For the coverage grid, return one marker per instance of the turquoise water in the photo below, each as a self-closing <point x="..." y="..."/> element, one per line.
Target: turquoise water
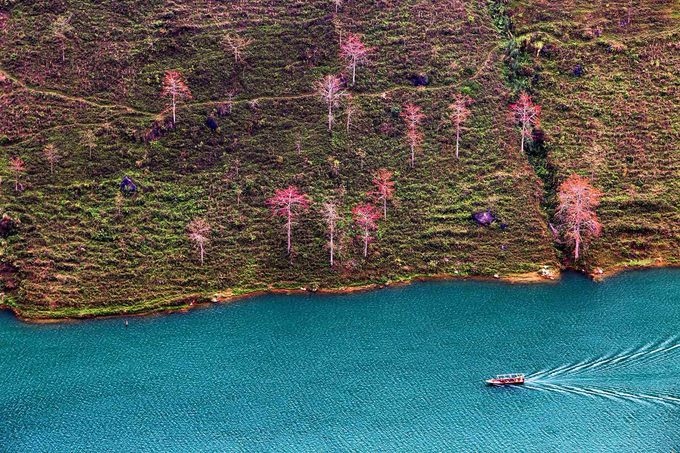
<point x="399" y="369"/>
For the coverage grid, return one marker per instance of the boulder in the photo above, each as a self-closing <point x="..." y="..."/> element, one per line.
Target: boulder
<point x="211" y="123"/>
<point x="7" y="226"/>
<point x="128" y="186"/>
<point x="577" y="71"/>
<point x="420" y="80"/>
<point x="484" y="218"/>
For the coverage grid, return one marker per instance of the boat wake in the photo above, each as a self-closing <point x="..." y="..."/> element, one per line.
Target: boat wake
<point x="581" y="378"/>
<point x="606" y="392"/>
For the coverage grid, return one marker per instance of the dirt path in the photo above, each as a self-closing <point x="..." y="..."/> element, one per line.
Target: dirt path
<point x="379" y="94"/>
<point x="68" y="97"/>
<point x="131" y="110"/>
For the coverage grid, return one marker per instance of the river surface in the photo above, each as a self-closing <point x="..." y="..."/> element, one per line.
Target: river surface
<point x="399" y="369"/>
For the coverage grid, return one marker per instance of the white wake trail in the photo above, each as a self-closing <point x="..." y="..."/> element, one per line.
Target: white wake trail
<point x="646" y="356"/>
<point x="608" y="393"/>
<point x="649" y="353"/>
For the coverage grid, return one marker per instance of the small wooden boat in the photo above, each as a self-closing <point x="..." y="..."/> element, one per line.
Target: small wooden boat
<point x="506" y="379"/>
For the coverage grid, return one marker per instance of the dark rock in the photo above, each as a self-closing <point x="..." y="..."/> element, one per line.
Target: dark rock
<point x="7" y="226"/>
<point x="420" y="80"/>
<point x="577" y="71"/>
<point x="504" y="226"/>
<point x="484" y="218"/>
<point x="127" y="186"/>
<point x="211" y="123"/>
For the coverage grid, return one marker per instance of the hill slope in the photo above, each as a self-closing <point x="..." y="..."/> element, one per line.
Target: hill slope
<point x="607" y="75"/>
<point x="81" y="249"/>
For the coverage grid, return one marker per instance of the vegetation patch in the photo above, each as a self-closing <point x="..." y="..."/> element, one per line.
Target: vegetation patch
<point x="119" y="207"/>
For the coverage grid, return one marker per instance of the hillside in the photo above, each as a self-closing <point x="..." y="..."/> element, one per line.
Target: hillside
<point x="607" y="76"/>
<point x="91" y="87"/>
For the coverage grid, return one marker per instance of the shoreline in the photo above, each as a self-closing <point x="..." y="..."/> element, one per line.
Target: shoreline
<point x="196" y="301"/>
<point x="652" y="263"/>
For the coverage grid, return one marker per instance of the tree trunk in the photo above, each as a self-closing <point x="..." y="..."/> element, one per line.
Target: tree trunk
<point x="332" y="248"/>
<point x="385" y="207"/>
<point x="354" y="71"/>
<point x="288" y="230"/>
<point x="523" y="132"/>
<point x="365" y="242"/>
<point x="16" y="183"/>
<point x="413" y="156"/>
<point x="577" y="243"/>
<point x="173" y="109"/>
<point x="200" y="245"/>
<point x="330" y="116"/>
<point x="457" y="139"/>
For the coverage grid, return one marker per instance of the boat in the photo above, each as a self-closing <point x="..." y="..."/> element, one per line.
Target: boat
<point x="507" y="379"/>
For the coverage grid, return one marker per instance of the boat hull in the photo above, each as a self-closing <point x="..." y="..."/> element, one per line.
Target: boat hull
<point x="506" y="380"/>
<point x="495" y="383"/>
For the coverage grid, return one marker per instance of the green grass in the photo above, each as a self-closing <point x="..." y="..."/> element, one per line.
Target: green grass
<point x="618" y="122"/>
<point x="81" y="252"/>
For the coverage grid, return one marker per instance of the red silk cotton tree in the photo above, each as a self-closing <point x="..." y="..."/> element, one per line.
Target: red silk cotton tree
<point x="288" y="203"/>
<point x="383" y="188"/>
<point x="415" y="140"/>
<point x="527" y="114"/>
<point x="175" y="88"/>
<point x="354" y="52"/>
<point x="198" y="232"/>
<point x="413" y="117"/>
<point x="17" y="166"/>
<point x="365" y="217"/>
<point x="459" y="113"/>
<point x="577" y="201"/>
<point x="330" y="91"/>
<point x="331" y="217"/>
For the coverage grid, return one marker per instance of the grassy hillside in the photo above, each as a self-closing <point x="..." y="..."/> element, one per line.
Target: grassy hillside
<point x="607" y="76"/>
<point x="80" y="248"/>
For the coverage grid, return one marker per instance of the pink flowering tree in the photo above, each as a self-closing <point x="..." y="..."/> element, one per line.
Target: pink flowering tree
<point x="354" y="52"/>
<point x="527" y="114"/>
<point x="331" y="218"/>
<point x="330" y="91"/>
<point x="415" y="140"/>
<point x="383" y="189"/>
<point x="17" y="166"/>
<point x="459" y="113"/>
<point x="288" y="203"/>
<point x="577" y="201"/>
<point x="175" y="88"/>
<point x="52" y="156"/>
<point x="237" y="45"/>
<point x="366" y="217"/>
<point x="413" y="117"/>
<point x="198" y="232"/>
